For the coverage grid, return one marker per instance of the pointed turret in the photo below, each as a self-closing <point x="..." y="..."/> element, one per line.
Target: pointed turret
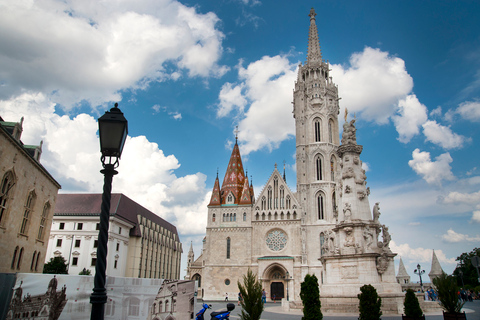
<point x="215" y="200"/>
<point x="251" y="189"/>
<point x="246" y="197"/>
<point x="436" y="270"/>
<point x="234" y="180"/>
<point x="191" y="255"/>
<point x="402" y="276"/>
<point x="314" y="55"/>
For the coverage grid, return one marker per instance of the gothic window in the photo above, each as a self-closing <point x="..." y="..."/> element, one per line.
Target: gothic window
<point x="230" y="198"/>
<point x="320" y="207"/>
<point x="275" y="191"/>
<point x="334" y="201"/>
<point x="213" y="217"/>
<point x="282" y="198"/>
<point x="36" y="262"/>
<point x="317" y="128"/>
<point x="33" y="260"/>
<point x="275" y="217"/>
<point x="234" y="217"/>
<point x="5" y="191"/>
<point x="322" y="242"/>
<point x="264" y="203"/>
<point x="288" y="215"/>
<point x="228" y="248"/>
<point x="288" y="202"/>
<point x="282" y="216"/>
<point x="269" y="216"/>
<point x="263" y="216"/>
<point x="27" y="211"/>
<point x="318" y="168"/>
<point x="330" y="131"/>
<point x="257" y="217"/>
<point x="19" y="261"/>
<point x="332" y="168"/>
<point x="276" y="240"/>
<point x="223" y="217"/>
<point x="14" y="259"/>
<point x="244" y="216"/>
<point x="269" y="195"/>
<point x="294" y="215"/>
<point x="43" y="221"/>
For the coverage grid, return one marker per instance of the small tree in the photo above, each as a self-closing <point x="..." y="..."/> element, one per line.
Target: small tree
<point x="56" y="265"/>
<point x="411" y="305"/>
<point x="85" y="272"/>
<point x="447" y="293"/>
<point x="310" y="295"/>
<point x="251" y="290"/>
<point x="370" y="303"/>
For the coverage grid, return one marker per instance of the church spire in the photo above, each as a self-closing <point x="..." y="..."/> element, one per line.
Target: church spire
<point x="234" y="179"/>
<point x="314" y="55"/>
<point x="436" y="269"/>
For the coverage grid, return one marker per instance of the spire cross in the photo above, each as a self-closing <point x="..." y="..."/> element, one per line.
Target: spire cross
<point x="236" y="134"/>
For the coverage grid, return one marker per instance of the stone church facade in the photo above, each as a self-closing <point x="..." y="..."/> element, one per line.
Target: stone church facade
<point x="326" y="228"/>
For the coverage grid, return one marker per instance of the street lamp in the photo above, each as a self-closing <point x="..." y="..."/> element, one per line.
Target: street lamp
<point x="419" y="271"/>
<point x="113" y="130"/>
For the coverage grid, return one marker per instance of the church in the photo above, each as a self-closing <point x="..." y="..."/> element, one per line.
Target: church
<point x="327" y="227"/>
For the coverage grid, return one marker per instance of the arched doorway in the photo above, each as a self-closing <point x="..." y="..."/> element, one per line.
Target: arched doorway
<point x="274" y="280"/>
<point x="277" y="290"/>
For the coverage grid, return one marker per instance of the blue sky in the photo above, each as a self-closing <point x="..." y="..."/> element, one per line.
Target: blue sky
<point x="186" y="73"/>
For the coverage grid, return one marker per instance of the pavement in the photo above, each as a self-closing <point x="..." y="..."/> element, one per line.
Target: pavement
<point x="273" y="311"/>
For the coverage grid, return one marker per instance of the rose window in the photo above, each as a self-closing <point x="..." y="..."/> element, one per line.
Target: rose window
<point x="276" y="240"/>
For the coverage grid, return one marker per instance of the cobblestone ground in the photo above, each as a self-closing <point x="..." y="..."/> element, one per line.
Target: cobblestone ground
<point x="273" y="311"/>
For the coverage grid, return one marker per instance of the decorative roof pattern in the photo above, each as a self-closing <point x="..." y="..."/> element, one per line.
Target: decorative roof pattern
<point x="215" y="200"/>
<point x="234" y="177"/>
<point x="246" y="197"/>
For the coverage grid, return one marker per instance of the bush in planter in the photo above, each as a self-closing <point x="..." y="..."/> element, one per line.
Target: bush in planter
<point x="370" y="303"/>
<point x="412" y="306"/>
<point x="447" y="293"/>
<point x="310" y="295"/>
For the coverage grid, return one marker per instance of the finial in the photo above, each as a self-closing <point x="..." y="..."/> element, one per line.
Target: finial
<point x="284" y="175"/>
<point x="236" y="134"/>
<point x="312" y="14"/>
<point x="217" y="172"/>
<point x="346" y="113"/>
<point x="275" y="165"/>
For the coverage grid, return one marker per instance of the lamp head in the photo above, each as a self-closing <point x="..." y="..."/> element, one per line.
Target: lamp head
<point x="113" y="131"/>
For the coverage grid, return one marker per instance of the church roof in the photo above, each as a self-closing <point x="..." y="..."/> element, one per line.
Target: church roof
<point x="314" y="54"/>
<point x="215" y="200"/>
<point x="436" y="269"/>
<point x="246" y="197"/>
<point x="234" y="179"/>
<point x="402" y="272"/>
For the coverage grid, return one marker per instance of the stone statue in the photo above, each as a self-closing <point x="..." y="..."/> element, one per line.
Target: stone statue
<point x="386" y="237"/>
<point x="382" y="263"/>
<point x="348" y="189"/>
<point x="376" y="212"/>
<point x="349" y="133"/>
<point x="347" y="211"/>
<point x="350" y="239"/>
<point x="368" y="236"/>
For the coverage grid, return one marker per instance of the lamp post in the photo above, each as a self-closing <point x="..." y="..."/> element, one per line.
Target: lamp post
<point x="419" y="271"/>
<point x="113" y="130"/>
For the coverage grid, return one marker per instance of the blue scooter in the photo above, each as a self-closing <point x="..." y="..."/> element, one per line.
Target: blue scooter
<point x="215" y="315"/>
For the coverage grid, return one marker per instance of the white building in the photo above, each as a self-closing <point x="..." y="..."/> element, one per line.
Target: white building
<point x="325" y="228"/>
<point x="140" y="243"/>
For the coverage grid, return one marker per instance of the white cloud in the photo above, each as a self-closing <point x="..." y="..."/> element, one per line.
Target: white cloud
<point x="419" y="255"/>
<point x="365" y="166"/>
<point x="476" y="216"/>
<point x="432" y="171"/>
<point x="453" y="237"/>
<point x="458" y="197"/>
<point x="89" y="50"/>
<point x="442" y="135"/>
<point x="469" y="110"/>
<point x="411" y="114"/>
<point x="265" y="87"/>
<point x="372" y="84"/>
<point x="437" y="112"/>
<point x="146" y="174"/>
<point x="414" y="224"/>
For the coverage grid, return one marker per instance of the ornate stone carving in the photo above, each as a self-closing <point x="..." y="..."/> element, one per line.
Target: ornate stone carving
<point x="382" y="263"/>
<point x="376" y="212"/>
<point x="348" y="189"/>
<point x="386" y="238"/>
<point x="329" y="245"/>
<point x="349" y="173"/>
<point x="349" y="135"/>
<point x="368" y="191"/>
<point x="368" y="237"/>
<point x="354" y="148"/>
<point x="349" y="239"/>
<point x="361" y="195"/>
<point x="347" y="211"/>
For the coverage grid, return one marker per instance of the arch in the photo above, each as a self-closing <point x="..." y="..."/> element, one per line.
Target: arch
<point x="270" y="270"/>
<point x="317" y="128"/>
<point x="263" y="216"/>
<point x="320" y="203"/>
<point x="228" y="248"/>
<point x="198" y="278"/>
<point x="288" y="202"/>
<point x="244" y="216"/>
<point x="264" y="203"/>
<point x="133" y="306"/>
<point x="257" y="217"/>
<point x="269" y="216"/>
<point x="275" y="216"/>
<point x="269" y="196"/>
<point x="6" y="189"/>
<point x="213" y="217"/>
<point x="294" y="215"/>
<point x="33" y="260"/>
<point x="27" y="212"/>
<point x="318" y="167"/>
<point x="14" y="259"/>
<point x="19" y="261"/>
<point x="43" y="221"/>
<point x="282" y="216"/>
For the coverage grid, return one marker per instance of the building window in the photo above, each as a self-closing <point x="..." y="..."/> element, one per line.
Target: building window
<point x="318" y="167"/>
<point x="59" y="242"/>
<point x="115" y="264"/>
<point x="332" y="168"/>
<point x="74" y="261"/>
<point x="134" y="307"/>
<point x="244" y="216"/>
<point x="43" y="221"/>
<point x="14" y="259"/>
<point x="7" y="184"/>
<point x="264" y="203"/>
<point x="61" y="226"/>
<point x="94" y="262"/>
<point x="80" y="226"/>
<point x="330" y="131"/>
<point x="77" y="243"/>
<point x="118" y="246"/>
<point x="36" y="262"/>
<point x="320" y="208"/>
<point x="97" y="227"/>
<point x="110" y="308"/>
<point x="119" y="230"/>
<point x="269" y="195"/>
<point x="26" y="213"/>
<point x="33" y="260"/>
<point x="322" y="242"/>
<point x="19" y="262"/>
<point x="317" y="130"/>
<point x="213" y="217"/>
<point x="276" y="240"/>
<point x="228" y="248"/>
<point x="95" y="243"/>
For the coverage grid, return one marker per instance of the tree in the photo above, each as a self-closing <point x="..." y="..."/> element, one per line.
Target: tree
<point x="411" y="305"/>
<point x="465" y="272"/>
<point x="56" y="265"/>
<point x="251" y="290"/>
<point x="85" y="272"/>
<point x="310" y="295"/>
<point x="370" y="303"/>
<point x="448" y="293"/>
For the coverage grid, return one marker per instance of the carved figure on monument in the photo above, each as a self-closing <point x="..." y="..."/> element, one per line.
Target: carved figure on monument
<point x="361" y="195"/>
<point x="368" y="236"/>
<point x="376" y="211"/>
<point x="329" y="245"/>
<point x="348" y="189"/>
<point x="347" y="211"/>
<point x="349" y="133"/>
<point x="386" y="238"/>
<point x="361" y="179"/>
<point x="349" y="173"/>
<point x="356" y="159"/>
<point x="368" y="191"/>
<point x="382" y="263"/>
<point x="350" y="239"/>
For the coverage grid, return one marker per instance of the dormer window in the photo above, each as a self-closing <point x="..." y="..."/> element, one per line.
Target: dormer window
<point x="230" y="198"/>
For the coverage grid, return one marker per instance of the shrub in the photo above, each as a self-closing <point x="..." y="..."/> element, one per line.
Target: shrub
<point x="56" y="265"/>
<point x="251" y="290"/>
<point x="411" y="305"/>
<point x="370" y="303"/>
<point x="310" y="295"/>
<point x="447" y="293"/>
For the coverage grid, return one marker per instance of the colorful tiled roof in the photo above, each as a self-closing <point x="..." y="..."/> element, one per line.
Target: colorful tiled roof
<point x="215" y="200"/>
<point x="234" y="177"/>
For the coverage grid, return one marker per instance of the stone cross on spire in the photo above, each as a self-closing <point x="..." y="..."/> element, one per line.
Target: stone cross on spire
<point x="314" y="55"/>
